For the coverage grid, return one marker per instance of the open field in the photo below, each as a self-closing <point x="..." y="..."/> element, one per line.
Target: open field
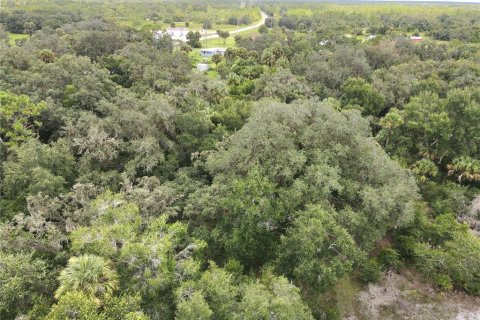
<point x="12" y="37"/>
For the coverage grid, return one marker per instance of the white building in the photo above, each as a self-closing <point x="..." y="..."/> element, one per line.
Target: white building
<point x="202" y="67"/>
<point x="174" y="33"/>
<point x="416" y="38"/>
<point x="208" y="52"/>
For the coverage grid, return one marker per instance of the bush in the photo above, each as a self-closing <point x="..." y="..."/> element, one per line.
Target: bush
<point x="370" y="271"/>
<point x="390" y="259"/>
<point x="444" y="250"/>
<point x="406" y="246"/>
<point x="443" y="281"/>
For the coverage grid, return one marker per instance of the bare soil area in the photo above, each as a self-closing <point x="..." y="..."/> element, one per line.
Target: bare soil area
<point x="405" y="297"/>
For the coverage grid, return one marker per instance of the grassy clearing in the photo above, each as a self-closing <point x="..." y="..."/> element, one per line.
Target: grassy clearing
<point x="246" y="33"/>
<point x="196" y="58"/>
<point x="219" y="43"/>
<point x="229" y="43"/>
<point x="375" y="9"/>
<point x="149" y="25"/>
<point x="12" y="37"/>
<point x="212" y="74"/>
<point x="346" y="294"/>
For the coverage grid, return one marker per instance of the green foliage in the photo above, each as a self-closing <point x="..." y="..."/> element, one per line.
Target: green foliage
<point x="92" y="275"/>
<point x="27" y="285"/>
<point x="466" y="168"/>
<point x="443" y="281"/>
<point x="278" y="298"/>
<point x="358" y="92"/>
<point x="316" y="250"/>
<point x="254" y="237"/>
<point x="425" y="118"/>
<point x="207" y="24"/>
<point x="370" y="271"/>
<point x="193" y="39"/>
<point x="216" y="296"/>
<point x="163" y="42"/>
<point x="18" y="118"/>
<point x="437" y="129"/>
<point x="326" y="71"/>
<point x="282" y="85"/>
<point x="463" y="254"/>
<point x="390" y="258"/>
<point x="75" y="305"/>
<point x="281" y="200"/>
<point x="157" y="192"/>
<point x="310" y="157"/>
<point x="223" y="34"/>
<point x="50" y="172"/>
<point x="117" y="223"/>
<point x="445" y="251"/>
<point x="193" y="307"/>
<point x="94" y="44"/>
<point x="231" y="113"/>
<point x="47" y="56"/>
<point x="425" y="169"/>
<point x="124" y="307"/>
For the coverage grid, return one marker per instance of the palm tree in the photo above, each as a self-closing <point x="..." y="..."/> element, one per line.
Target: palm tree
<point x="92" y="275"/>
<point x="424" y="169"/>
<point x="467" y="168"/>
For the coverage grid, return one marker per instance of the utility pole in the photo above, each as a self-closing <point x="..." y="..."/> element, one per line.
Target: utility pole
<point x="206" y="37"/>
<point x="206" y="31"/>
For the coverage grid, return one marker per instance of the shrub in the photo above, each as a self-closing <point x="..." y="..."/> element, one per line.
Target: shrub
<point x="390" y="258"/>
<point x="443" y="281"/>
<point x="370" y="271"/>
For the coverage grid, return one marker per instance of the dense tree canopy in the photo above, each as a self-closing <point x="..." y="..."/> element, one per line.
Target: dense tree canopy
<point x="315" y="156"/>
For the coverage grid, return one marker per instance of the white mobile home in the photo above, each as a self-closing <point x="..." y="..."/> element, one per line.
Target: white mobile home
<point x="208" y="52"/>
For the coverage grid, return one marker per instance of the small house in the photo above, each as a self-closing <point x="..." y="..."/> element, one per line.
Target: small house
<point x="208" y="52"/>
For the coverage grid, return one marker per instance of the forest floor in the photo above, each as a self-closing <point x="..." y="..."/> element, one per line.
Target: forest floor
<point x="406" y="296"/>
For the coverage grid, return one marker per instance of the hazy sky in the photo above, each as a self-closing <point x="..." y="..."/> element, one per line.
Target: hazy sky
<point x="397" y="1"/>
<point x="457" y="1"/>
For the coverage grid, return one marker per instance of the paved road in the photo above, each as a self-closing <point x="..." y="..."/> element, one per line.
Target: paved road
<point x="253" y="26"/>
